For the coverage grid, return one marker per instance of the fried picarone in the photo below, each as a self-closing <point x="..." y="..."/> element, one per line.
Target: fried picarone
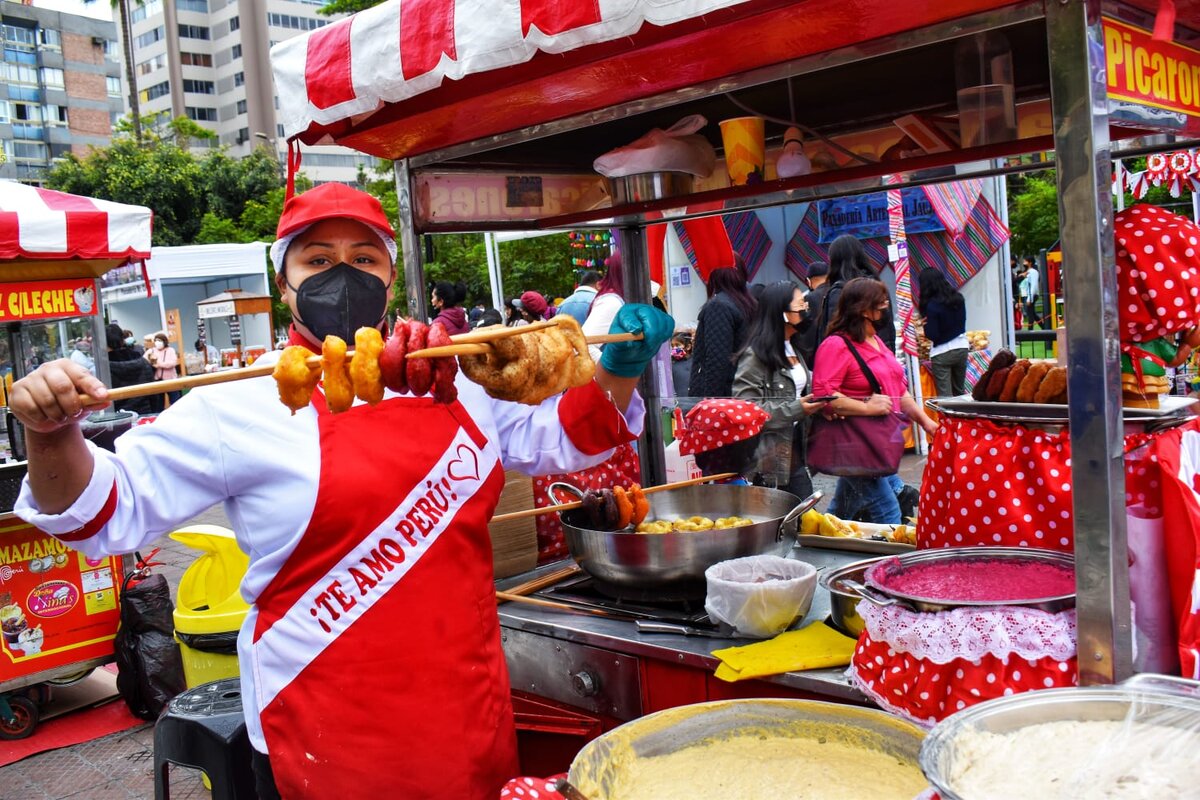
<point x="1016" y="374"/>
<point x="365" y="375"/>
<point x="339" y="392"/>
<point x="1027" y="391"/>
<point x="1001" y="360"/>
<point x="530" y="367"/>
<point x="996" y="383"/>
<point x="1053" y="388"/>
<point x="295" y="378"/>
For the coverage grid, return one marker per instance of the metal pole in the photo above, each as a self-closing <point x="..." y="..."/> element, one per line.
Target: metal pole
<point x="1008" y="334"/>
<point x="1079" y="106"/>
<point x="494" y="277"/>
<point x="1196" y="207"/>
<point x="636" y="265"/>
<point x="410" y="243"/>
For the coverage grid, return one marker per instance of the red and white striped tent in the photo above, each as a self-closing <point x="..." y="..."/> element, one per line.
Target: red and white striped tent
<point x="44" y="225"/>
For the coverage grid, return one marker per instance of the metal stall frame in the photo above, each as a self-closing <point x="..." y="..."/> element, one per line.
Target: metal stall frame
<point x="855" y="32"/>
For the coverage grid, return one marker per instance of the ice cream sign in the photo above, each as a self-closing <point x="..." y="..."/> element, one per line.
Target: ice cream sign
<point x="47" y="299"/>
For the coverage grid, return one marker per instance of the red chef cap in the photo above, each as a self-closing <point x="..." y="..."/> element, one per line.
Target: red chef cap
<point x="328" y="201"/>
<point x="717" y="422"/>
<point x="1158" y="272"/>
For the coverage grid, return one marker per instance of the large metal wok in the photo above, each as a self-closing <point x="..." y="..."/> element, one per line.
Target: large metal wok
<point x="670" y="566"/>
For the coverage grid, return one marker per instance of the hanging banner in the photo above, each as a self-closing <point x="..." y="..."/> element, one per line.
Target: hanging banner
<point x="1162" y="78"/>
<point x="866" y="216"/>
<point x="48" y="299"/>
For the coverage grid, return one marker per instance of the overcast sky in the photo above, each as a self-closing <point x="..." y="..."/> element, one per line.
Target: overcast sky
<point x="100" y="9"/>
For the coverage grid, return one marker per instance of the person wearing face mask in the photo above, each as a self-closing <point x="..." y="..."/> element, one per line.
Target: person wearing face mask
<point x="81" y="354"/>
<point x="165" y="361"/>
<point x="353" y="524"/>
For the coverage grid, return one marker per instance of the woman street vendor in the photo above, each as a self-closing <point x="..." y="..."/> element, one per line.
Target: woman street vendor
<point x="370" y="659"/>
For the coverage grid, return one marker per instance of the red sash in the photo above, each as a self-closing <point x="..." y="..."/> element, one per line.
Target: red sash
<point x="377" y="650"/>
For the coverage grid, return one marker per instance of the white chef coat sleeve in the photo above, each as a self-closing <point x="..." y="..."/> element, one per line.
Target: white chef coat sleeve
<point x="162" y="475"/>
<point x="575" y="430"/>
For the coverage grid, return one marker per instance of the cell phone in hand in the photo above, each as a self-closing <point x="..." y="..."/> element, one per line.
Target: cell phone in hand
<point x="825" y="398"/>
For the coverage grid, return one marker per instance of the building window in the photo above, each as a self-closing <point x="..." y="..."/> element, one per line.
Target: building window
<point x="26" y="112"/>
<point x="241" y="106"/>
<point x="50" y="39"/>
<point x="234" y="24"/>
<point x="199" y="87"/>
<point x="29" y="151"/>
<point x="295" y="23"/>
<point x="279" y="130"/>
<point x="149" y="37"/>
<point x="113" y="84"/>
<point x="25" y="38"/>
<point x="15" y="56"/>
<point x="20" y="73"/>
<point x="53" y="77"/>
<point x="153" y="64"/>
<point x="192" y="5"/>
<point x="3" y="112"/>
<point x="196" y="59"/>
<point x="243" y="135"/>
<point x="145" y="11"/>
<point x="56" y="115"/>
<point x="235" y="51"/>
<point x="239" y="79"/>
<point x="193" y="31"/>
<point x="30" y="93"/>
<point x="156" y="91"/>
<point x="201" y="113"/>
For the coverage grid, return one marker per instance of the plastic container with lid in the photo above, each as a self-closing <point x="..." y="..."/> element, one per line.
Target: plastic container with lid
<point x="103" y="427"/>
<point x="983" y="68"/>
<point x="209" y="609"/>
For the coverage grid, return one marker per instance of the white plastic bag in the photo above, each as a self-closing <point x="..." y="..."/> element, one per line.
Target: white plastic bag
<point x="677" y="149"/>
<point x="759" y="596"/>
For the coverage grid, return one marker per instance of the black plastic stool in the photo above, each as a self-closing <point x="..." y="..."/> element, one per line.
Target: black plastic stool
<point x="204" y="728"/>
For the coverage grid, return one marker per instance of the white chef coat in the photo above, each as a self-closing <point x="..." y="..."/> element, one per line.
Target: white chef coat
<point x="236" y="443"/>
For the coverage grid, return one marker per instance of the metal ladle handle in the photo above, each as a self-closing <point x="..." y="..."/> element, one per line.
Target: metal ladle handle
<point x="567" y="790"/>
<point x="870" y="595"/>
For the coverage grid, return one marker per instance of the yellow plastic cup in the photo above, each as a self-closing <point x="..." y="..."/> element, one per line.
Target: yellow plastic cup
<point x="745" y="149"/>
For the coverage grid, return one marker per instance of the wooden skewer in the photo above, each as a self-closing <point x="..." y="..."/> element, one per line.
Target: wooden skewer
<point x="481" y="349"/>
<point x="506" y="597"/>
<point x="533" y="512"/>
<point x="549" y="579"/>
<point x="475" y="344"/>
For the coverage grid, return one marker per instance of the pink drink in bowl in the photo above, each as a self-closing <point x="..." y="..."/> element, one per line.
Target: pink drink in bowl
<point x="976" y="576"/>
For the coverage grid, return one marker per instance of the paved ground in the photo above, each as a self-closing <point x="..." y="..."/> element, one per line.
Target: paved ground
<point x="120" y="766"/>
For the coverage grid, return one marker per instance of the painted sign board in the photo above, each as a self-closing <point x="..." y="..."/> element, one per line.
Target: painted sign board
<point x="866" y="216"/>
<point x="29" y="300"/>
<point x="1152" y="83"/>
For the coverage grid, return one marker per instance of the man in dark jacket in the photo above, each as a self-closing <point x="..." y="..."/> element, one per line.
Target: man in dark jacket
<point x="818" y="281"/>
<point x="128" y="368"/>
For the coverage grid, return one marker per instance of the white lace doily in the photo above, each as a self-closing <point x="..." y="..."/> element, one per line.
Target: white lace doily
<point x="971" y="633"/>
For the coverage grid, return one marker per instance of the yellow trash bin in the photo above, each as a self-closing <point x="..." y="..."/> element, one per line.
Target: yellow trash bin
<point x="209" y="610"/>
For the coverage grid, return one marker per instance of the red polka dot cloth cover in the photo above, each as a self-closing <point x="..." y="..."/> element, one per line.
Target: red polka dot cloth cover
<point x="987" y="483"/>
<point x="623" y="468"/>
<point x="531" y="789"/>
<point x="1158" y="272"/>
<point x="716" y="422"/>
<point x="927" y="666"/>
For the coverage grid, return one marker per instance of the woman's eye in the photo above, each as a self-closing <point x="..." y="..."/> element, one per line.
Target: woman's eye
<point x="319" y="261"/>
<point x="364" y="259"/>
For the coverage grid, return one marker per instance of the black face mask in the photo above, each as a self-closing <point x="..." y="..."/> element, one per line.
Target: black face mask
<point x="339" y="301"/>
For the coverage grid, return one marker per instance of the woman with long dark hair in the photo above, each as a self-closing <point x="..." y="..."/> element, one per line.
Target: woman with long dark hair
<point x="945" y="315"/>
<point x="861" y="305"/>
<point x="610" y="296"/>
<point x="848" y="260"/>
<point x="772" y="374"/>
<point x="447" y="299"/>
<point x="720" y="331"/>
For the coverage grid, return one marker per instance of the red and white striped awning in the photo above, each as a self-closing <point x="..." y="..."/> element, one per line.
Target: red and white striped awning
<point x="44" y="224"/>
<point x="399" y="49"/>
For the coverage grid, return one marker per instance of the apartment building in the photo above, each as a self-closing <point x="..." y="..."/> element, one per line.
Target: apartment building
<point x="61" y="90"/>
<point x="209" y="60"/>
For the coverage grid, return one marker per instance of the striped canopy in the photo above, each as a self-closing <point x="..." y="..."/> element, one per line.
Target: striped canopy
<point x="43" y="224"/>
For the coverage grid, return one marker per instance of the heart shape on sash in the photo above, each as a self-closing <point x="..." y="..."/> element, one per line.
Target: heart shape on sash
<point x="459" y="470"/>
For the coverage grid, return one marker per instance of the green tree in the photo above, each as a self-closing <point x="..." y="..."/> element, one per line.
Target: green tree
<point x="1033" y="214"/>
<point x="347" y="6"/>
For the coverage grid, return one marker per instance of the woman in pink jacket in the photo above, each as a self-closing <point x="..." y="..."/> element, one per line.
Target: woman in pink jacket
<point x="165" y="361"/>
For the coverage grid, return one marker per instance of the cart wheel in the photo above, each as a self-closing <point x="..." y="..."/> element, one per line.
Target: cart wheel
<point x="26" y="715"/>
<point x="67" y="680"/>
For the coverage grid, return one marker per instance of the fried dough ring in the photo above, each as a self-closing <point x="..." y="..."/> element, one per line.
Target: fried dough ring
<point x="583" y="369"/>
<point x="1027" y="391"/>
<point x="1002" y="359"/>
<point x="365" y="374"/>
<point x="1016" y="374"/>
<point x="1053" y="385"/>
<point x="339" y="392"/>
<point x="504" y="372"/>
<point x="996" y="383"/>
<point x="295" y="378"/>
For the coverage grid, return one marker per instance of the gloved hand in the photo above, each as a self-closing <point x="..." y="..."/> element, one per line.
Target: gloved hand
<point x="629" y="359"/>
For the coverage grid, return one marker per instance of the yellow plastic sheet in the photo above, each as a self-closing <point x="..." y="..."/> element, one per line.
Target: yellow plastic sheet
<point x="812" y="647"/>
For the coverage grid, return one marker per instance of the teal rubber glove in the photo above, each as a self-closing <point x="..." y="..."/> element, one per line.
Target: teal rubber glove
<point x="629" y="359"/>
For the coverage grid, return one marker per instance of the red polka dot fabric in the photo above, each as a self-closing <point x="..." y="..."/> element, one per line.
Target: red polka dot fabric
<point x="623" y="468"/>
<point x="1158" y="272"/>
<point x="927" y="692"/>
<point x="1006" y="485"/>
<point x="531" y="789"/>
<point x="717" y="422"/>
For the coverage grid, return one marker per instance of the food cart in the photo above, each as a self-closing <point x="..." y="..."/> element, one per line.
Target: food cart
<point x="231" y="305"/>
<point x="58" y="608"/>
<point x="494" y="122"/>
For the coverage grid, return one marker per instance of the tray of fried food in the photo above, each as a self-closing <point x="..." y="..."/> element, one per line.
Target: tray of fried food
<point x="830" y="532"/>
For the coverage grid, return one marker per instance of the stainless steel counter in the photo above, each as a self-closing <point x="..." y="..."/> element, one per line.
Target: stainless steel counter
<point x="620" y="636"/>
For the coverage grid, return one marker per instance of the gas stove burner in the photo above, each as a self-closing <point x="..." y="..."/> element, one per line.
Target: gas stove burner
<point x="586" y="592"/>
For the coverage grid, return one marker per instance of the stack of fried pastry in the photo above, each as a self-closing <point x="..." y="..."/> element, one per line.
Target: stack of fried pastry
<point x="1009" y="380"/>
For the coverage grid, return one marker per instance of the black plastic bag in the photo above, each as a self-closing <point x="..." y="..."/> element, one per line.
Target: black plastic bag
<point x="149" y="666"/>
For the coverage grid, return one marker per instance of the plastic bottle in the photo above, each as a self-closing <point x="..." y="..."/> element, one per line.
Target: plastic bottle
<point x="987" y="112"/>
